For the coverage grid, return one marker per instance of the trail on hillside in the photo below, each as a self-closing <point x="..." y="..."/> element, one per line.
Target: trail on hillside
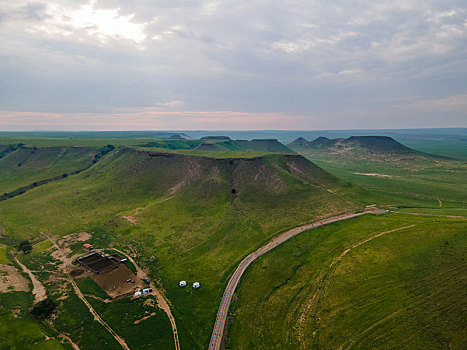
<point x="161" y="300"/>
<point x="218" y="330"/>
<point x="327" y="273"/>
<point x="38" y="289"/>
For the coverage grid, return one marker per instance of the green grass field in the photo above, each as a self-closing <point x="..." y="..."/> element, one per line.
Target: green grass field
<point x="18" y="330"/>
<point x="406" y="289"/>
<point x="197" y="213"/>
<point x="196" y="216"/>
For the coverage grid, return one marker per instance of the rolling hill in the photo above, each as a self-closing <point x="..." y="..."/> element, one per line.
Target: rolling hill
<point x="192" y="217"/>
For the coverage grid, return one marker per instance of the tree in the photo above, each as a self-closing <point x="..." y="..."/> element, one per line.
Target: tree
<point x="43" y="309"/>
<point x="25" y="246"/>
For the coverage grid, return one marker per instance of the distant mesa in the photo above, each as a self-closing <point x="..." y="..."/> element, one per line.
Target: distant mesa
<point x="215" y="138"/>
<point x="221" y="143"/>
<point x="383" y="145"/>
<point x="170" y="135"/>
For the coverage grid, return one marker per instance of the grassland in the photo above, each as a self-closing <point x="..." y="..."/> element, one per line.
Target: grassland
<point x="195" y="213"/>
<point x="413" y="181"/>
<point x="18" y="330"/>
<point x="406" y="289"/>
<point x="196" y="217"/>
<point x="28" y="165"/>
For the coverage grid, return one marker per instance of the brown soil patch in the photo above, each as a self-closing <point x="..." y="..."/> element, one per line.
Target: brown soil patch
<point x="114" y="281"/>
<point x="150" y="302"/>
<point x="177" y="187"/>
<point x="375" y="175"/>
<point x="76" y="272"/>
<point x="11" y="280"/>
<point x="73" y="238"/>
<point x="131" y="219"/>
<point x="38" y="289"/>
<point x="144" y="318"/>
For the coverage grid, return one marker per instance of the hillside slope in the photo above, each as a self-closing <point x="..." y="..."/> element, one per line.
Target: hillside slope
<point x="192" y="217"/>
<point x="26" y="165"/>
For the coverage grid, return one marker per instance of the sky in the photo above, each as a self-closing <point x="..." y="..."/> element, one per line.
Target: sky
<point x="232" y="64"/>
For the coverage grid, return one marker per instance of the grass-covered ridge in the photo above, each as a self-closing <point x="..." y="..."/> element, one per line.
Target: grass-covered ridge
<point x="196" y="216"/>
<point x="27" y="165"/>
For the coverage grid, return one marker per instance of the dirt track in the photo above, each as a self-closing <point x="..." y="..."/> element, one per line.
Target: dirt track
<point x="161" y="301"/>
<point x="96" y="315"/>
<point x="38" y="289"/>
<point x="218" y="331"/>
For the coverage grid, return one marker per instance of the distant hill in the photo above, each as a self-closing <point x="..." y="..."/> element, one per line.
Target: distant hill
<point x="221" y="143"/>
<point x="373" y="145"/>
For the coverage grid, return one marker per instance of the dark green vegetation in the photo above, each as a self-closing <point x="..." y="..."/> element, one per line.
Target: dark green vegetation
<point x="405" y="289"/>
<point x="19" y="329"/>
<point x="43" y="309"/>
<point x="25" y="247"/>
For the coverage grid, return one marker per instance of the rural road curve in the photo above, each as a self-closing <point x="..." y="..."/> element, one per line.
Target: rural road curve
<point x="218" y="331"/>
<point x="161" y="300"/>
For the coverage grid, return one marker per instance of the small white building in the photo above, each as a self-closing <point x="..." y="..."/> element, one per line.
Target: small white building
<point x="182" y="284"/>
<point x="137" y="294"/>
<point x="196" y="285"/>
<point x="147" y="290"/>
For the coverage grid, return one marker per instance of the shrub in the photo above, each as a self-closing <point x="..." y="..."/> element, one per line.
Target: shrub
<point x="43" y="309"/>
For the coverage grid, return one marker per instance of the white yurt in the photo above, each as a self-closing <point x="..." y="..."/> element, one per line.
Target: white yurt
<point x="182" y="283"/>
<point x="196" y="285"/>
<point x="137" y="294"/>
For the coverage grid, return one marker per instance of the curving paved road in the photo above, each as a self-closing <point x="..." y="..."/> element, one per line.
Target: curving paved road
<point x="218" y="330"/>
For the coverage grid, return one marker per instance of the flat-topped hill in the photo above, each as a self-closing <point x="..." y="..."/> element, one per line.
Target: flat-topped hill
<point x="221" y="143"/>
<point x="375" y="145"/>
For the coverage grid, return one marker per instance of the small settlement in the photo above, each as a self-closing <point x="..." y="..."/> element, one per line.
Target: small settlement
<point x="111" y="273"/>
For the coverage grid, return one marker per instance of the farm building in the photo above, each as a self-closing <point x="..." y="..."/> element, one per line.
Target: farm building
<point x="196" y="285"/>
<point x="88" y="246"/>
<point x="182" y="283"/>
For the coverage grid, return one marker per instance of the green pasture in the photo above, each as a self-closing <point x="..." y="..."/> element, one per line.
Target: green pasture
<point x="406" y="289"/>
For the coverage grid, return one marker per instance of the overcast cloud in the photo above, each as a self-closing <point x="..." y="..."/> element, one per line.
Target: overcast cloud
<point x="134" y="65"/>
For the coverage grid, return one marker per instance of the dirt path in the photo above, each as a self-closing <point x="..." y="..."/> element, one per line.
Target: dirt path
<point x="96" y="315"/>
<point x="161" y="300"/>
<point x="38" y="289"/>
<point x="62" y="255"/>
<point x="328" y="272"/>
<point x="218" y="331"/>
<point x="425" y="214"/>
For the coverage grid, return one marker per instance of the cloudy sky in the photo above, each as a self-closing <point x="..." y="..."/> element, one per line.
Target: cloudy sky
<point x="232" y="64"/>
